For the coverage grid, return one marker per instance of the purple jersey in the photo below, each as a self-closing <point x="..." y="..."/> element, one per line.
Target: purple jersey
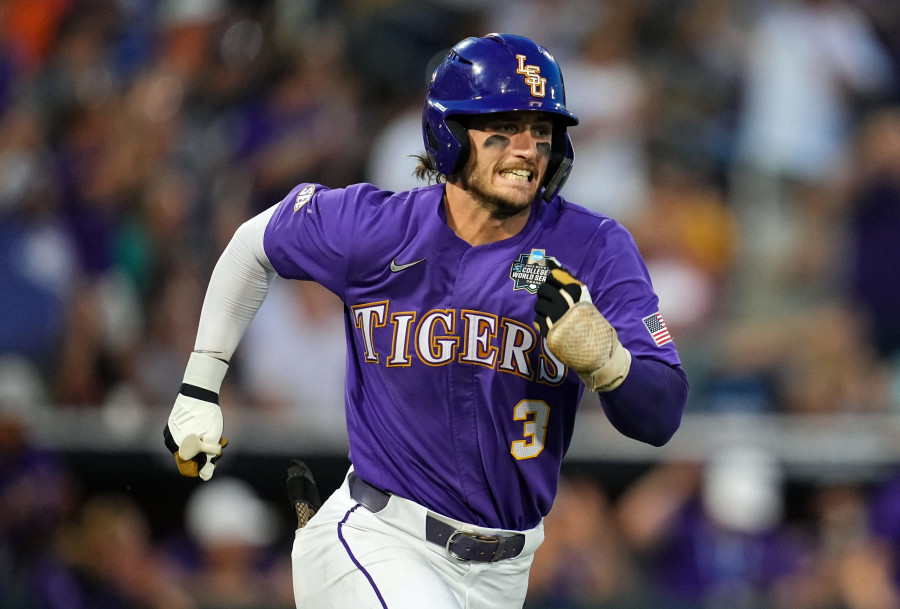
<point x="452" y="398"/>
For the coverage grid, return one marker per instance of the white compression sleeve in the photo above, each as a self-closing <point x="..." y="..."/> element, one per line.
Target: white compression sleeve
<point x="237" y="288"/>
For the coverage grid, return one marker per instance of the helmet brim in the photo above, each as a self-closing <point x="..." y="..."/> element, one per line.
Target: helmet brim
<point x="490" y="106"/>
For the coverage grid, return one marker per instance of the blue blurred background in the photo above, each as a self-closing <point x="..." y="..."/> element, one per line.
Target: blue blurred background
<point x="752" y="147"/>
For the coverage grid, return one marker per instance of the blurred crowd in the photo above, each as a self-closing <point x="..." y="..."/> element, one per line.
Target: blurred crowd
<point x="752" y="147"/>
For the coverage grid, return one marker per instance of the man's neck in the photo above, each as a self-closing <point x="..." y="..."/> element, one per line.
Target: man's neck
<point x="474" y="224"/>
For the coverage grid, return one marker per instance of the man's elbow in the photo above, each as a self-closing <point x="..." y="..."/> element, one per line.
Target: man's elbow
<point x="661" y="436"/>
<point x="658" y="433"/>
<point x="662" y="419"/>
<point x="670" y="423"/>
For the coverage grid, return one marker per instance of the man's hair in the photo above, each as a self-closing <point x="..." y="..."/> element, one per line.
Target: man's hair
<point x="426" y="169"/>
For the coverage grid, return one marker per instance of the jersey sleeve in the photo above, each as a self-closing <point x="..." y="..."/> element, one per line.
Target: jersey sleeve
<point x="311" y="234"/>
<point x="623" y="292"/>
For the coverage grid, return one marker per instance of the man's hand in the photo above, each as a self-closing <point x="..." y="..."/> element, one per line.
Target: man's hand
<point x="302" y="492"/>
<point x="194" y="429"/>
<point x="577" y="333"/>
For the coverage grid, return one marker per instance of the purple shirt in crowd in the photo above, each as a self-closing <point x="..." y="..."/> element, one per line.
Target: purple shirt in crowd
<point x="885" y="519"/>
<point x="452" y="398"/>
<point x="704" y="564"/>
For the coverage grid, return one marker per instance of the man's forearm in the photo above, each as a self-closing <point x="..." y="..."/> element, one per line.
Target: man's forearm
<point x="237" y="288"/>
<point x="649" y="404"/>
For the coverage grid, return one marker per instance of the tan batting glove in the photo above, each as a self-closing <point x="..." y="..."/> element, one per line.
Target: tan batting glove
<point x="577" y="333"/>
<point x="194" y="429"/>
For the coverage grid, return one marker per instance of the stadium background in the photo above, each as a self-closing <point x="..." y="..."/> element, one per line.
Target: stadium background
<point x="751" y="146"/>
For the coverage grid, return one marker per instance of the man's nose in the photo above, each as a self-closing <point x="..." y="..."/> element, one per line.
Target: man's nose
<point x="524" y="144"/>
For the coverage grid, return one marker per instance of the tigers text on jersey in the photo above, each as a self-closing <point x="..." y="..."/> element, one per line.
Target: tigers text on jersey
<point x="452" y="398"/>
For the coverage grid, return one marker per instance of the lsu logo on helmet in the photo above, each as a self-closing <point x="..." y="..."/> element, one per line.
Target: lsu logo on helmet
<point x="532" y="77"/>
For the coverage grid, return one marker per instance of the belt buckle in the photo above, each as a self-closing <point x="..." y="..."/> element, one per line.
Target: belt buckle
<point x="474" y="536"/>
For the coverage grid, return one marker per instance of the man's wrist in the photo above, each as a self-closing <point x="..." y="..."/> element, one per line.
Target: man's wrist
<point x="611" y="374"/>
<point x="205" y="371"/>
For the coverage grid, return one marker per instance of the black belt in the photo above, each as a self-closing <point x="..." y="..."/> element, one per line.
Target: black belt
<point x="461" y="545"/>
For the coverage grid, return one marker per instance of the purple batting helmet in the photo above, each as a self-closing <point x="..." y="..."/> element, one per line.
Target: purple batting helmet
<point x="496" y="73"/>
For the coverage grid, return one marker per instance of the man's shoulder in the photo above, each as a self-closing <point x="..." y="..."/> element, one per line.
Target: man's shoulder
<point x="367" y="194"/>
<point x="586" y="239"/>
<point x="573" y="217"/>
<point x="357" y="202"/>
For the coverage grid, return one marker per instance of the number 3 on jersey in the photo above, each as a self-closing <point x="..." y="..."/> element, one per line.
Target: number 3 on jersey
<point x="535" y="413"/>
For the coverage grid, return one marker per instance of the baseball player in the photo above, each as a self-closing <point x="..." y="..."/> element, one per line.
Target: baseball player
<point x="478" y="310"/>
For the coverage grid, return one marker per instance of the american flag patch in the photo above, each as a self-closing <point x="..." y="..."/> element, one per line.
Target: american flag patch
<point x="657" y="329"/>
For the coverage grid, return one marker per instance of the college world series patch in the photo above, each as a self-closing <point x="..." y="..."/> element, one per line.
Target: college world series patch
<point x="528" y="271"/>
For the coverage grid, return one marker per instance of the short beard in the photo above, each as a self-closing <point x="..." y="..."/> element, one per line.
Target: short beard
<point x="499" y="207"/>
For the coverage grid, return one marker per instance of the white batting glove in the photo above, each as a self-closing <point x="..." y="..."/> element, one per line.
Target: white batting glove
<point x="194" y="429"/>
<point x="577" y="333"/>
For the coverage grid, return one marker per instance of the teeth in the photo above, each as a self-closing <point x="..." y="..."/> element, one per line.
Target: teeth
<point x="517" y="174"/>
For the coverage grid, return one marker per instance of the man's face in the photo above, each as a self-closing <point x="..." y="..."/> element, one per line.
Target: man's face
<point x="508" y="160"/>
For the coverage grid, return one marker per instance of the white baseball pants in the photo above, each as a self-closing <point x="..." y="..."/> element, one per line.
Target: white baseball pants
<point x="348" y="557"/>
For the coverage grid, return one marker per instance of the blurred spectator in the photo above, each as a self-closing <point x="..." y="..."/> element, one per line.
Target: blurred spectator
<point x="105" y="558"/>
<point x="694" y="69"/>
<point x="688" y="237"/>
<point x="157" y="231"/>
<point x="391" y="42"/>
<point x="608" y="91"/>
<point x="881" y="560"/>
<point x="809" y="63"/>
<point x="813" y="361"/>
<point x="102" y="327"/>
<point x="560" y="25"/>
<point x="186" y="43"/>
<point x="298" y="378"/>
<point x="885" y="19"/>
<point x="29" y="28"/>
<point x="584" y="562"/>
<point x="714" y="536"/>
<point x="296" y="131"/>
<point x="171" y="319"/>
<point x="234" y="530"/>
<point x="38" y="265"/>
<point x="855" y="565"/>
<point x="402" y="134"/>
<point x="874" y="221"/>
<point x="35" y="488"/>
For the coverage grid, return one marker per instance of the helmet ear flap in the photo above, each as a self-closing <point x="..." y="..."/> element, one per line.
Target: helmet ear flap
<point x="461" y="134"/>
<point x="446" y="142"/>
<point x="562" y="157"/>
<point x="431" y="138"/>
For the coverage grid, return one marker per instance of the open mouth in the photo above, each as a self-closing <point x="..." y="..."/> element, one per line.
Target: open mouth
<point x="519" y="175"/>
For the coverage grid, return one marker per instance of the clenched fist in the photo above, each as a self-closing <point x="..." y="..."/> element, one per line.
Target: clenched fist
<point x="194" y="430"/>
<point x="577" y="333"/>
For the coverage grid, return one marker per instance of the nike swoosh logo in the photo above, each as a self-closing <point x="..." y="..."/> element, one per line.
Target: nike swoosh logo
<point x="399" y="267"/>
